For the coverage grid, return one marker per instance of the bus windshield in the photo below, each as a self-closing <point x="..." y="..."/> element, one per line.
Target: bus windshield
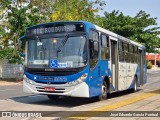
<point x="62" y="52"/>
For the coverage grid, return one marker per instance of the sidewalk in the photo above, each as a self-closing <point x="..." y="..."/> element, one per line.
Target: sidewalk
<point x="138" y="105"/>
<point x="9" y="82"/>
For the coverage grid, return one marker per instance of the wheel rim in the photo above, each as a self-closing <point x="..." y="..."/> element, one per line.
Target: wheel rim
<point x="104" y="91"/>
<point x="135" y="84"/>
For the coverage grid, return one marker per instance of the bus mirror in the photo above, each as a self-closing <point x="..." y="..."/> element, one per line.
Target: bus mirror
<point x="22" y="54"/>
<point x="20" y="47"/>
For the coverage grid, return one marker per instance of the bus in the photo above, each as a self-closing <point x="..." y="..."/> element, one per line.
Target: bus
<point x="80" y="59"/>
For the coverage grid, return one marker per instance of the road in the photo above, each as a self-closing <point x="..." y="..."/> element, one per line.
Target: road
<point x="12" y="98"/>
<point x="11" y="91"/>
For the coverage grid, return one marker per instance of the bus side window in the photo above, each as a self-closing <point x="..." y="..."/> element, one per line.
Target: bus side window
<point x="131" y="55"/>
<point x="121" y="51"/>
<point x="94" y="47"/>
<point x="105" y="47"/>
<point x="136" y="54"/>
<point x="126" y="50"/>
<point x="144" y="56"/>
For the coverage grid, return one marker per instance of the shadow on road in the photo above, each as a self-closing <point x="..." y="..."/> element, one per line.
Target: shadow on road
<point x="64" y="101"/>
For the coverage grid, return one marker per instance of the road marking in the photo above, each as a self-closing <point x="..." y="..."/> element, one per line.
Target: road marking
<point x="7" y="89"/>
<point x="103" y="109"/>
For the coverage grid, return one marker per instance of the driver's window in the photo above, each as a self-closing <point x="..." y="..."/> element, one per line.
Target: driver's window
<point x="94" y="47"/>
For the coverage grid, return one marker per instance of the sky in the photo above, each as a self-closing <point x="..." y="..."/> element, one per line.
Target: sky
<point x="132" y="7"/>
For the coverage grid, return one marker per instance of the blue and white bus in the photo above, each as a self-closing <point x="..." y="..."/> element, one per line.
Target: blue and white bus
<point x="80" y="59"/>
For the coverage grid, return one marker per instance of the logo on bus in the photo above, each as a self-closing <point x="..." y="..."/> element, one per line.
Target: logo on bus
<point x="53" y="63"/>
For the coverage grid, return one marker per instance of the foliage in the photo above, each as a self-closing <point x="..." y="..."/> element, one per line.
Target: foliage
<point x="76" y="10"/>
<point x="149" y="65"/>
<point x="17" y="16"/>
<point x="44" y="9"/>
<point x="7" y="53"/>
<point x="140" y="28"/>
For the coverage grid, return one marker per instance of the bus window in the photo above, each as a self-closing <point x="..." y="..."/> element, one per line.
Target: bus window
<point x="105" y="47"/>
<point x="144" y="56"/>
<point x="136" y="54"/>
<point x="121" y="51"/>
<point x="134" y="57"/>
<point x="131" y="55"/>
<point x="126" y="50"/>
<point x="94" y="47"/>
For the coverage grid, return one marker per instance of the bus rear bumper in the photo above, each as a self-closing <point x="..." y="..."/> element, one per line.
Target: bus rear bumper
<point x="80" y="90"/>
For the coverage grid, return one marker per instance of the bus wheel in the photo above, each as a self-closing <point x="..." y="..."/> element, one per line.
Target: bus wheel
<point x="135" y="84"/>
<point x="53" y="97"/>
<point x="103" y="96"/>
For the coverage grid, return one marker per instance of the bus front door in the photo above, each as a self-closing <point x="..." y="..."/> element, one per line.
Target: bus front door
<point x="114" y="64"/>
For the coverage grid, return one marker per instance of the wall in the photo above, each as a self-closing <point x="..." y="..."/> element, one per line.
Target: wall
<point x="8" y="70"/>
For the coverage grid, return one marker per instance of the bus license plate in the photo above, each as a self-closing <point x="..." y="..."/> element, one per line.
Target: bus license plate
<point x="49" y="88"/>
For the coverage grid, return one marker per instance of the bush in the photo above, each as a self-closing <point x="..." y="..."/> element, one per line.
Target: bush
<point x="149" y="65"/>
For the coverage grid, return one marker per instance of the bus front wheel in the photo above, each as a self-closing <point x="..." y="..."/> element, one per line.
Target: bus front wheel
<point x="53" y="97"/>
<point x="103" y="96"/>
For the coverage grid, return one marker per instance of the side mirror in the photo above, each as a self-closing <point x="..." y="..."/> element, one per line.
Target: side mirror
<point x="21" y="46"/>
<point x="22" y="54"/>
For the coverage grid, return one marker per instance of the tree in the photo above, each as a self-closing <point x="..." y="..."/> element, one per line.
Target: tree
<point x="16" y="17"/>
<point x="140" y="28"/>
<point x="44" y="8"/>
<point x="76" y="10"/>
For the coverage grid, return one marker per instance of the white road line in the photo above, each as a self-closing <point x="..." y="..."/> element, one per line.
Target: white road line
<point x="7" y="89"/>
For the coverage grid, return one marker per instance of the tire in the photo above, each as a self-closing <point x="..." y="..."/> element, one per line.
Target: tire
<point x="135" y="84"/>
<point x="53" y="97"/>
<point x="104" y="95"/>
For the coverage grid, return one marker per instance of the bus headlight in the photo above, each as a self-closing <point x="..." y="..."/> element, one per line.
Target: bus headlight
<point x="28" y="80"/>
<point x="83" y="77"/>
<point x="79" y="80"/>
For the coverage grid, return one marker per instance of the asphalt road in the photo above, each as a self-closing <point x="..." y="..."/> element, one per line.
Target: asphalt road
<point x="13" y="91"/>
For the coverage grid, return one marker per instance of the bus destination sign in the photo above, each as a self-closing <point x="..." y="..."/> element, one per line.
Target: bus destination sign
<point x="48" y="29"/>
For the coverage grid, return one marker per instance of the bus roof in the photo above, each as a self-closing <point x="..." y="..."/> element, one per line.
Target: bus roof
<point x="112" y="34"/>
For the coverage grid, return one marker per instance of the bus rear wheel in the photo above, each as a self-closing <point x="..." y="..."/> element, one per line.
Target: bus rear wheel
<point x="103" y="96"/>
<point x="53" y="97"/>
<point x="135" y="84"/>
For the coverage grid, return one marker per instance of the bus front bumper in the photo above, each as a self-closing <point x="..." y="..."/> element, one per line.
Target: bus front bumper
<point x="79" y="90"/>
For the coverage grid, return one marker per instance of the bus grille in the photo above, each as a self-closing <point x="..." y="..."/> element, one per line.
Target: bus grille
<point x="51" y="82"/>
<point x="57" y="90"/>
<point x="53" y="73"/>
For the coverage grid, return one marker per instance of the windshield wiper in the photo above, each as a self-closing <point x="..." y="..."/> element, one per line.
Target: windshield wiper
<point x="37" y="38"/>
<point x="43" y="48"/>
<point x="62" y="43"/>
